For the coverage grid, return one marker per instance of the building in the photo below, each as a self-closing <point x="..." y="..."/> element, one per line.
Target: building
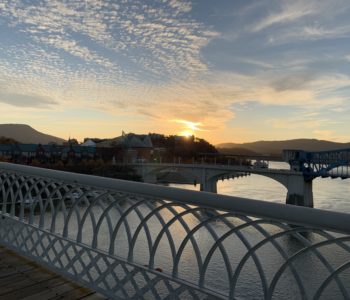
<point x="134" y="147"/>
<point x="27" y="153"/>
<point x="128" y="148"/>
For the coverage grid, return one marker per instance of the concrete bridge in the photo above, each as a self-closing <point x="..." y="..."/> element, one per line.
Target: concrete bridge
<point x="299" y="191"/>
<point x="304" y="167"/>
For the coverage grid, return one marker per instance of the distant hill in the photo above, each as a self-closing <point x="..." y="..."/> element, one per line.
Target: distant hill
<point x="27" y="135"/>
<point x="276" y="147"/>
<point x="237" y="151"/>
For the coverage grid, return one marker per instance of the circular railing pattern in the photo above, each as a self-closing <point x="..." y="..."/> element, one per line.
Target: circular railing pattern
<point x="130" y="245"/>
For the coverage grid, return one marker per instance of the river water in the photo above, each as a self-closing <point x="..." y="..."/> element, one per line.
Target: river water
<point x="329" y="194"/>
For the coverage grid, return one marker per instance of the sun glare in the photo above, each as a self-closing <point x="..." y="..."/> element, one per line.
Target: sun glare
<point x="186" y="133"/>
<point x="188" y="128"/>
<point x="190" y="125"/>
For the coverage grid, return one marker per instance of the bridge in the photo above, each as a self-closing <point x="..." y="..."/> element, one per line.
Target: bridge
<point x="304" y="167"/>
<point x="335" y="164"/>
<point x="130" y="240"/>
<point x="299" y="191"/>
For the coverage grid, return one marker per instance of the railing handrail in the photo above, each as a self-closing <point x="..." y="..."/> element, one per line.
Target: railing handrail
<point x="310" y="217"/>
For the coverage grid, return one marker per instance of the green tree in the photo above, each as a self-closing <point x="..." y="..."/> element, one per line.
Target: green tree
<point x="6" y="140"/>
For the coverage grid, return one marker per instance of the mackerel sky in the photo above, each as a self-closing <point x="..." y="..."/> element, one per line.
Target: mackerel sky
<point x="225" y="70"/>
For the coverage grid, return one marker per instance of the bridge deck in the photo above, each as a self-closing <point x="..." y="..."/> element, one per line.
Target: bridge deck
<point x="21" y="278"/>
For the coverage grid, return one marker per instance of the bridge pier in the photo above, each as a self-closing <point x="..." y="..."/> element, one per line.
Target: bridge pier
<point x="209" y="186"/>
<point x="149" y="178"/>
<point x="299" y="191"/>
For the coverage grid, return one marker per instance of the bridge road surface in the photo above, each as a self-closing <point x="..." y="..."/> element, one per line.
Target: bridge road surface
<point x="21" y="278"/>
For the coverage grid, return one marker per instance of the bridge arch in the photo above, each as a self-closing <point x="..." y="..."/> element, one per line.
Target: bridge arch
<point x="227" y="175"/>
<point x="152" y="174"/>
<point x="280" y="178"/>
<point x="256" y="186"/>
<point x="299" y="191"/>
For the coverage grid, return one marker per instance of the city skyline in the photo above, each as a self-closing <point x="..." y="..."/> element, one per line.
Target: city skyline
<point x="226" y="71"/>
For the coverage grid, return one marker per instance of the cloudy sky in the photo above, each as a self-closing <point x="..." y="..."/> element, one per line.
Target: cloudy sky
<point x="227" y="71"/>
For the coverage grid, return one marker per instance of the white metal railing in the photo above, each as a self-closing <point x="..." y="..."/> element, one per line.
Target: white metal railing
<point x="133" y="240"/>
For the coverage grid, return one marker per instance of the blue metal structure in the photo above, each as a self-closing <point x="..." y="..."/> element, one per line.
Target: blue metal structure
<point x="335" y="163"/>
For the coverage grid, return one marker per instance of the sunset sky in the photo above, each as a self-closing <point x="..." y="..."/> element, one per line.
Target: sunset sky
<point x="224" y="70"/>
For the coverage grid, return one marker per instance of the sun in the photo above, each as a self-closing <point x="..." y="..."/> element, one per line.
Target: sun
<point x="188" y="128"/>
<point x="186" y="133"/>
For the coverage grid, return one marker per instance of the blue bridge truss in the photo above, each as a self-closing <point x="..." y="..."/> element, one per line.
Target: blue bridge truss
<point x="335" y="163"/>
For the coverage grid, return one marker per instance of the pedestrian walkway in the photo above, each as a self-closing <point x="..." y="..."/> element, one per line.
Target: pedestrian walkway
<point x="21" y="278"/>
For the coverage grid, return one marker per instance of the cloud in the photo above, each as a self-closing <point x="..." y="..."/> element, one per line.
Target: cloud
<point x="273" y="88"/>
<point x="22" y="100"/>
<point x="73" y="48"/>
<point x="338" y="109"/>
<point x="102" y="54"/>
<point x="287" y="22"/>
<point x="297" y="122"/>
<point x="324" y="134"/>
<point x="309" y="33"/>
<point x="292" y="81"/>
<point x="132" y="38"/>
<point x="287" y="12"/>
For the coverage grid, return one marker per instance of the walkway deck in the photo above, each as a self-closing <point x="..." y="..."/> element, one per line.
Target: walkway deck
<point x="21" y="278"/>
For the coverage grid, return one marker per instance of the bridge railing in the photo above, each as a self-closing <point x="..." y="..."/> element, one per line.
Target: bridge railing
<point x="131" y="240"/>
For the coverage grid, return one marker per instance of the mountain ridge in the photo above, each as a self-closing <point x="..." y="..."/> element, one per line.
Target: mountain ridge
<point x="26" y="134"/>
<point x="276" y="147"/>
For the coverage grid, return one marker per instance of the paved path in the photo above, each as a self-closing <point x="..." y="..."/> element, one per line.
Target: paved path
<point x="21" y="278"/>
